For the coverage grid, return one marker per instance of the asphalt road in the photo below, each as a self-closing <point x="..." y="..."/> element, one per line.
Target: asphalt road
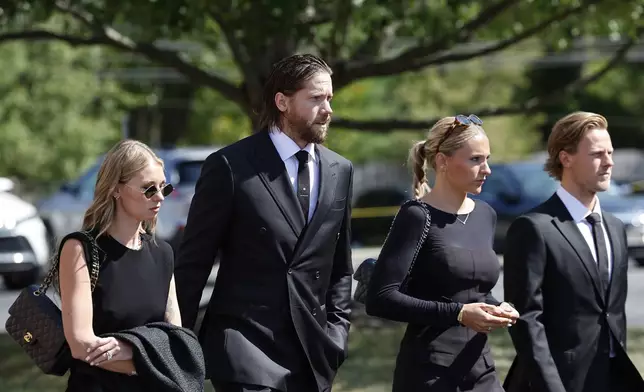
<point x="634" y="303"/>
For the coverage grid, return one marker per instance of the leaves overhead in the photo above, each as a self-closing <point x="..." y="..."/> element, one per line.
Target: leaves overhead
<point x="360" y="39"/>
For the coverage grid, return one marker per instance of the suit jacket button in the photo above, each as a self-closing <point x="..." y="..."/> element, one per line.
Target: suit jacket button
<point x="262" y="230"/>
<point x="317" y="275"/>
<point x="290" y="271"/>
<point x="314" y="312"/>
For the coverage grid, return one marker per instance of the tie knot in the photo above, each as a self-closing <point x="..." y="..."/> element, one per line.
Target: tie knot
<point x="302" y="156"/>
<point x="594" y="218"/>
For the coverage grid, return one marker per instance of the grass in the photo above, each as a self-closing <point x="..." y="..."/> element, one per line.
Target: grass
<point x="368" y="369"/>
<point x="373" y="354"/>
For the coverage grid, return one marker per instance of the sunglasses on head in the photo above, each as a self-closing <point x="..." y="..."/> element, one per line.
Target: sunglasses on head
<point x="152" y="190"/>
<point x="459" y="121"/>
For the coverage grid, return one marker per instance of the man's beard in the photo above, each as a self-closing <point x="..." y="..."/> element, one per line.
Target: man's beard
<point x="310" y="132"/>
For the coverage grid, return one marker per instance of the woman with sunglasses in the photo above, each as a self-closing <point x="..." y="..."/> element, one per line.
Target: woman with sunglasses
<point x="446" y="299"/>
<point x="135" y="283"/>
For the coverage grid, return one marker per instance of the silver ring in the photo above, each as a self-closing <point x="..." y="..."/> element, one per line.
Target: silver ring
<point x="108" y="355"/>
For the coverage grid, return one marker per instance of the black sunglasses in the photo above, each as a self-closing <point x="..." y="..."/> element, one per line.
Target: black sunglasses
<point x="459" y="121"/>
<point x="153" y="189"/>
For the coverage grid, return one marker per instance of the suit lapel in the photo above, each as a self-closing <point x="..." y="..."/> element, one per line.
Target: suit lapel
<point x="328" y="178"/>
<point x="568" y="228"/>
<point x="272" y="172"/>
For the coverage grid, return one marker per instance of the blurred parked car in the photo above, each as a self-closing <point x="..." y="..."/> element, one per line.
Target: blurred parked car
<point x="372" y="214"/>
<point x="63" y="211"/>
<point x="515" y="188"/>
<point x="24" y="250"/>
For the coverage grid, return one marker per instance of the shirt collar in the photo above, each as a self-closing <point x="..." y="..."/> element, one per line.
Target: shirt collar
<point x="286" y="147"/>
<point x="577" y="210"/>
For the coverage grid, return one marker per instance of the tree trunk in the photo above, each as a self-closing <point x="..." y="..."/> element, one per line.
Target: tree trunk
<point x="142" y="124"/>
<point x="545" y="79"/>
<point x="175" y="107"/>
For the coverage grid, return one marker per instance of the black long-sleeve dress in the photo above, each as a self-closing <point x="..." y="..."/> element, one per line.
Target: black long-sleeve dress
<point x="456" y="265"/>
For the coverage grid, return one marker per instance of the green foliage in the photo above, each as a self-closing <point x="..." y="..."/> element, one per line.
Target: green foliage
<point x="55" y="113"/>
<point x="215" y="120"/>
<point x="391" y="60"/>
<point x="432" y="93"/>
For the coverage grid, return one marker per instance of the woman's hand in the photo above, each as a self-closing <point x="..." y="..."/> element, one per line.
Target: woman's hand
<point x="482" y="317"/>
<point x="506" y="310"/>
<point x="107" y="350"/>
<point x="510" y="311"/>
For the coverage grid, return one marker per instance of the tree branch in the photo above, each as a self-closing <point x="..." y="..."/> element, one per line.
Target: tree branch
<point x="193" y="73"/>
<point x="86" y="19"/>
<point x="315" y="20"/>
<point x="532" y="105"/>
<point x="343" y="11"/>
<point x="503" y="44"/>
<point x="114" y="39"/>
<point x="109" y="36"/>
<point x="242" y="57"/>
<point x="460" y="35"/>
<point x="44" y="35"/>
<point x="421" y="57"/>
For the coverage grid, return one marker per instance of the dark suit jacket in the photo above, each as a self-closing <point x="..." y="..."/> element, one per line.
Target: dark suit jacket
<point x="567" y="319"/>
<point x="282" y="296"/>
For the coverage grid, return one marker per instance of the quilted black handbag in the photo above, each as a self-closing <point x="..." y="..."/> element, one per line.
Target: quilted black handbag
<point x="365" y="269"/>
<point x="35" y="321"/>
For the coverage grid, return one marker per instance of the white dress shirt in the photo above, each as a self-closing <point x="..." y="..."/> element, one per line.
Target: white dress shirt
<point x="579" y="212"/>
<point x="287" y="148"/>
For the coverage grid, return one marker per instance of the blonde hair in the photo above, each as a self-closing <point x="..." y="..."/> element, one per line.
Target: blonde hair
<point x="566" y="135"/>
<point x="121" y="164"/>
<point x="422" y="155"/>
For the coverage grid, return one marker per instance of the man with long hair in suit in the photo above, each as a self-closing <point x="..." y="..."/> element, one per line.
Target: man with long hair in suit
<point x="275" y="208"/>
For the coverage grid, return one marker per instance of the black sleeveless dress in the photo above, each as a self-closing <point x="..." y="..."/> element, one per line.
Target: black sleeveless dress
<point x="132" y="290"/>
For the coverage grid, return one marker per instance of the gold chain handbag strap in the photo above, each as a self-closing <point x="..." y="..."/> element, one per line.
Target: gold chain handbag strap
<point x="93" y="253"/>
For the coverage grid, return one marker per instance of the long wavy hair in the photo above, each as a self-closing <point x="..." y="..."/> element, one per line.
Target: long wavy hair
<point x="121" y="164"/>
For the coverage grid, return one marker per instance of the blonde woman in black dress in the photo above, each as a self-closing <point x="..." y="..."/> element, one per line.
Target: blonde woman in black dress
<point x="447" y="299"/>
<point x="135" y="283"/>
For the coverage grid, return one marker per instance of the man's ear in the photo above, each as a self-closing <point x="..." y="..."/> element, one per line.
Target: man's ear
<point x="565" y="158"/>
<point x="281" y="101"/>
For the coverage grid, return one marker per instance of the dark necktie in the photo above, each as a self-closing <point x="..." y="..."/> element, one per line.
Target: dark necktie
<point x="303" y="182"/>
<point x="600" y="247"/>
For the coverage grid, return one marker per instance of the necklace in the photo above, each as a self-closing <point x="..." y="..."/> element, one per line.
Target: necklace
<point x="139" y="242"/>
<point x="464" y="221"/>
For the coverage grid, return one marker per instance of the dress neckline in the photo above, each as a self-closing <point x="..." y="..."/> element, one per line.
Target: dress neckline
<point x="449" y="213"/>
<point x="118" y="246"/>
